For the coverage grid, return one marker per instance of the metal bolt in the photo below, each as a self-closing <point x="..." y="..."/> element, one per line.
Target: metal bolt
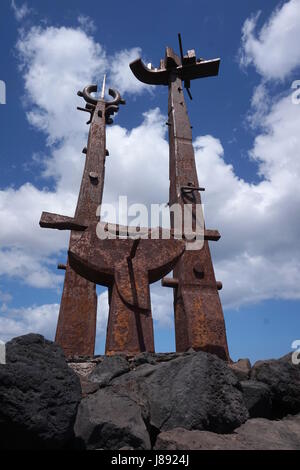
<point x="61" y="266"/>
<point x="93" y="175"/>
<point x="198" y="270"/>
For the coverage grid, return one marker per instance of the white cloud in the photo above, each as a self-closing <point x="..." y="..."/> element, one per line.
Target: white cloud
<point x="25" y="247"/>
<point x="102" y="312"/>
<point x="20" y="11"/>
<point x="260" y="105"/>
<point x="141" y="156"/>
<point x="42" y="319"/>
<point x="258" y="255"/>
<point x="5" y="298"/>
<point x="275" y="49"/>
<point x="57" y="62"/>
<point x="36" y="319"/>
<point x="86" y="23"/>
<point x="250" y="278"/>
<point x="30" y="267"/>
<point x="121" y="76"/>
<point x="162" y="305"/>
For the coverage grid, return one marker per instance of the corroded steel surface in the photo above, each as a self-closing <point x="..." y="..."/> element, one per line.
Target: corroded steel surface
<point x="199" y="321"/>
<point x="76" y="327"/>
<point x="126" y="267"/>
<point x="199" y="69"/>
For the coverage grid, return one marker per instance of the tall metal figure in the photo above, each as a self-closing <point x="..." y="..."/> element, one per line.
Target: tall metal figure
<point x="125" y="266"/>
<point x="199" y="321"/>
<point x="76" y="327"/>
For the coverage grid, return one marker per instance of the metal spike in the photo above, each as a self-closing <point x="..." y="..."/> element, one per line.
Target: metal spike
<point x="180" y="47"/>
<point x="103" y="87"/>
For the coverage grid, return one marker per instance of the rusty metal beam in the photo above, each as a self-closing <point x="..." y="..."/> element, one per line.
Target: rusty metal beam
<point x="61" y="222"/>
<point x="76" y="327"/>
<point x="160" y="76"/>
<point x="199" y="321"/>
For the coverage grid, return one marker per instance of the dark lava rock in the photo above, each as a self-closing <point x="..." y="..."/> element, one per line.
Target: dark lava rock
<point x="257" y="396"/>
<point x="283" y="377"/>
<point x="111" y="420"/>
<point x="109" y="368"/>
<point x="255" y="434"/>
<point x="39" y="395"/>
<point x="144" y="358"/>
<point x="241" y="369"/>
<point x="194" y="391"/>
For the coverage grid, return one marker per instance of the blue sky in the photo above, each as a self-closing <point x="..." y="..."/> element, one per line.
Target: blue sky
<point x="246" y="137"/>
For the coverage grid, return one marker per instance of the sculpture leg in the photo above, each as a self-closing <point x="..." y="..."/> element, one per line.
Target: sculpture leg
<point x="199" y="320"/>
<point x="204" y="328"/>
<point x="129" y="329"/>
<point x="76" y="327"/>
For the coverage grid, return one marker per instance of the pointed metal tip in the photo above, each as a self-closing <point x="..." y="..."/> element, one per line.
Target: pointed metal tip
<point x="103" y="87"/>
<point x="180" y="46"/>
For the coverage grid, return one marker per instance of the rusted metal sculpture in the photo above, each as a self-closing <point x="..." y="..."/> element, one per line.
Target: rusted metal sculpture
<point x="199" y="321"/>
<point x="128" y="266"/>
<point x="76" y="328"/>
<point x="125" y="266"/>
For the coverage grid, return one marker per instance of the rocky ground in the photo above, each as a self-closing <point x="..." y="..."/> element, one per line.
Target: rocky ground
<point x="169" y="401"/>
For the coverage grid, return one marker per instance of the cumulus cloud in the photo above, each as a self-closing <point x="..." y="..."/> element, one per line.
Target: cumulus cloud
<point x="162" y="305"/>
<point x="36" y="319"/>
<point x="56" y="63"/>
<point x="121" y="76"/>
<point x="42" y="319"/>
<point x="28" y="267"/>
<point x="258" y="255"/>
<point x="275" y="49"/>
<point x="141" y="156"/>
<point x="260" y="105"/>
<point x="5" y="298"/>
<point x="25" y="247"/>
